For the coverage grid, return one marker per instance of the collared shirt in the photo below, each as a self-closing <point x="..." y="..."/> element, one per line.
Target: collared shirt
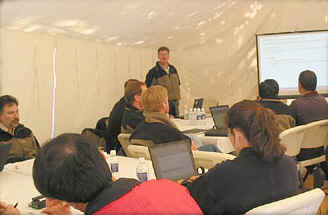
<point x="310" y="108"/>
<point x="3" y="127"/>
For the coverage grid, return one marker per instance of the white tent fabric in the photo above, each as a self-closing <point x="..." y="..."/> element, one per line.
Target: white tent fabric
<point x="102" y="43"/>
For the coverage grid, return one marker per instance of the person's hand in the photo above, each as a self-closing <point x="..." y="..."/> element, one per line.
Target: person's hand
<point x="193" y="146"/>
<point x="59" y="209"/>
<point x="6" y="209"/>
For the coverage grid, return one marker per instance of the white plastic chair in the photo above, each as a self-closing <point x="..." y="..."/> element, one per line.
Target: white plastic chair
<point x="292" y="139"/>
<point x="124" y="141"/>
<point x="208" y="160"/>
<point x="315" y="135"/>
<point x="136" y="151"/>
<point x="306" y="203"/>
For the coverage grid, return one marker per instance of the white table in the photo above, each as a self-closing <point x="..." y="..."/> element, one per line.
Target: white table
<point x="223" y="143"/>
<point x="16" y="182"/>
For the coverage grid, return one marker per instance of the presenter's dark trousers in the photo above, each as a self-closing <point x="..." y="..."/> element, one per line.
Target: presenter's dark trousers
<point x="174" y="108"/>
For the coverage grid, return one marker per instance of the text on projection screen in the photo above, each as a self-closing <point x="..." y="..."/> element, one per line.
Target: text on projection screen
<point x="284" y="56"/>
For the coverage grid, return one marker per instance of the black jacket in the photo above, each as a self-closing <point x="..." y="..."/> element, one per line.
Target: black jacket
<point x="131" y="118"/>
<point x="278" y="107"/>
<point x="114" y="126"/>
<point x="158" y="76"/>
<point x="24" y="144"/>
<point x="239" y="185"/>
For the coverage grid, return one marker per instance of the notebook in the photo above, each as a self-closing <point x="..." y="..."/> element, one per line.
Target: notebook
<point x="173" y="160"/>
<point x="218" y="115"/>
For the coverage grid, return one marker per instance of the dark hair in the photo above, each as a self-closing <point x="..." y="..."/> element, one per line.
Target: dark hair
<point x="68" y="168"/>
<point x="259" y="126"/>
<point x="308" y="80"/>
<point x="269" y="89"/>
<point x="7" y="100"/>
<point x="163" y="48"/>
<point x="132" y="89"/>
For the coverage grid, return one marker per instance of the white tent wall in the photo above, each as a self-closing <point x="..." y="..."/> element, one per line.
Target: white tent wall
<point x="90" y="78"/>
<point x="213" y="45"/>
<point x="221" y="64"/>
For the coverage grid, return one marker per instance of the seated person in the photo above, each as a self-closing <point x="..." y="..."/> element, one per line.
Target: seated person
<point x="269" y="90"/>
<point x="24" y="144"/>
<point x="97" y="135"/>
<point x="157" y="127"/>
<point x="69" y="158"/>
<point x="115" y="119"/>
<point x="132" y="114"/>
<point x="261" y="173"/>
<point x="310" y="107"/>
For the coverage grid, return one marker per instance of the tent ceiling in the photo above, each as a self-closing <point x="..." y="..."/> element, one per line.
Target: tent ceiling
<point x="143" y="23"/>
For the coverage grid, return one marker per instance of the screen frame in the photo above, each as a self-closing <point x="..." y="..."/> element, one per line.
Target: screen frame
<point x="258" y="62"/>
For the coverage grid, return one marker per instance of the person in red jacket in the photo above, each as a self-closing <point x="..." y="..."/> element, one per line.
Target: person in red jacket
<point x="70" y="169"/>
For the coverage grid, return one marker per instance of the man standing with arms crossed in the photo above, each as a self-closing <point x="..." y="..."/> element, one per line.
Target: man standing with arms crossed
<point x="166" y="75"/>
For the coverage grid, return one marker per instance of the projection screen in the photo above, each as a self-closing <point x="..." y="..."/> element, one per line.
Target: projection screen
<point x="283" y="56"/>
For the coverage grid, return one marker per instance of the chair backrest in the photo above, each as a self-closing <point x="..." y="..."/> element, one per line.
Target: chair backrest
<point x="136" y="151"/>
<point x="306" y="203"/>
<point x="210" y="159"/>
<point x="315" y="134"/>
<point x="292" y="139"/>
<point x="125" y="142"/>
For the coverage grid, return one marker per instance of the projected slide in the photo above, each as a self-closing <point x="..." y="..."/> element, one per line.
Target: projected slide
<point x="284" y="56"/>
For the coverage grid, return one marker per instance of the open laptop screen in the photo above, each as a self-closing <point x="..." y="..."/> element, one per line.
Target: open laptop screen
<point x="173" y="160"/>
<point x="198" y="103"/>
<point x="4" y="152"/>
<point x="218" y="114"/>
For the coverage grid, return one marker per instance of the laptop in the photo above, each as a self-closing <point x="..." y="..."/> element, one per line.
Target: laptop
<point x="198" y="103"/>
<point x="173" y="160"/>
<point x="4" y="152"/>
<point x="218" y="115"/>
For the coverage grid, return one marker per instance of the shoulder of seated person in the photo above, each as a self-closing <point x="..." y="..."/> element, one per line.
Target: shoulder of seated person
<point x="21" y="131"/>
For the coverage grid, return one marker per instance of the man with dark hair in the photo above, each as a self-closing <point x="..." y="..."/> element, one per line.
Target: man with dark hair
<point x="24" y="144"/>
<point x="132" y="114"/>
<point x="70" y="169"/>
<point x="310" y="107"/>
<point x="268" y="91"/>
<point x="166" y="75"/>
<point x="115" y="119"/>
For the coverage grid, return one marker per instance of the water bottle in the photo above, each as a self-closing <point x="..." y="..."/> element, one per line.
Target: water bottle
<point x="203" y="114"/>
<point x="142" y="170"/>
<point x="198" y="114"/>
<point x="113" y="160"/>
<point x="186" y="114"/>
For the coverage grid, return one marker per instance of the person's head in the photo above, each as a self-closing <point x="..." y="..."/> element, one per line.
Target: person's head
<point x="129" y="81"/>
<point x="307" y="82"/>
<point x="70" y="169"/>
<point x="155" y="99"/>
<point x="163" y="55"/>
<point x="269" y="89"/>
<point x="251" y="125"/>
<point x="132" y="93"/>
<point x="9" y="115"/>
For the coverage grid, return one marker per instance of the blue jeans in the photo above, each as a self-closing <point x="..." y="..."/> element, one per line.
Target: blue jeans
<point x="201" y="146"/>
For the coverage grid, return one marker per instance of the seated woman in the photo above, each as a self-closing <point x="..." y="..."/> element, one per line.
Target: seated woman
<point x="261" y="173"/>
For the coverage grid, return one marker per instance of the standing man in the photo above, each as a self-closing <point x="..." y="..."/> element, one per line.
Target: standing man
<point x="166" y="75"/>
